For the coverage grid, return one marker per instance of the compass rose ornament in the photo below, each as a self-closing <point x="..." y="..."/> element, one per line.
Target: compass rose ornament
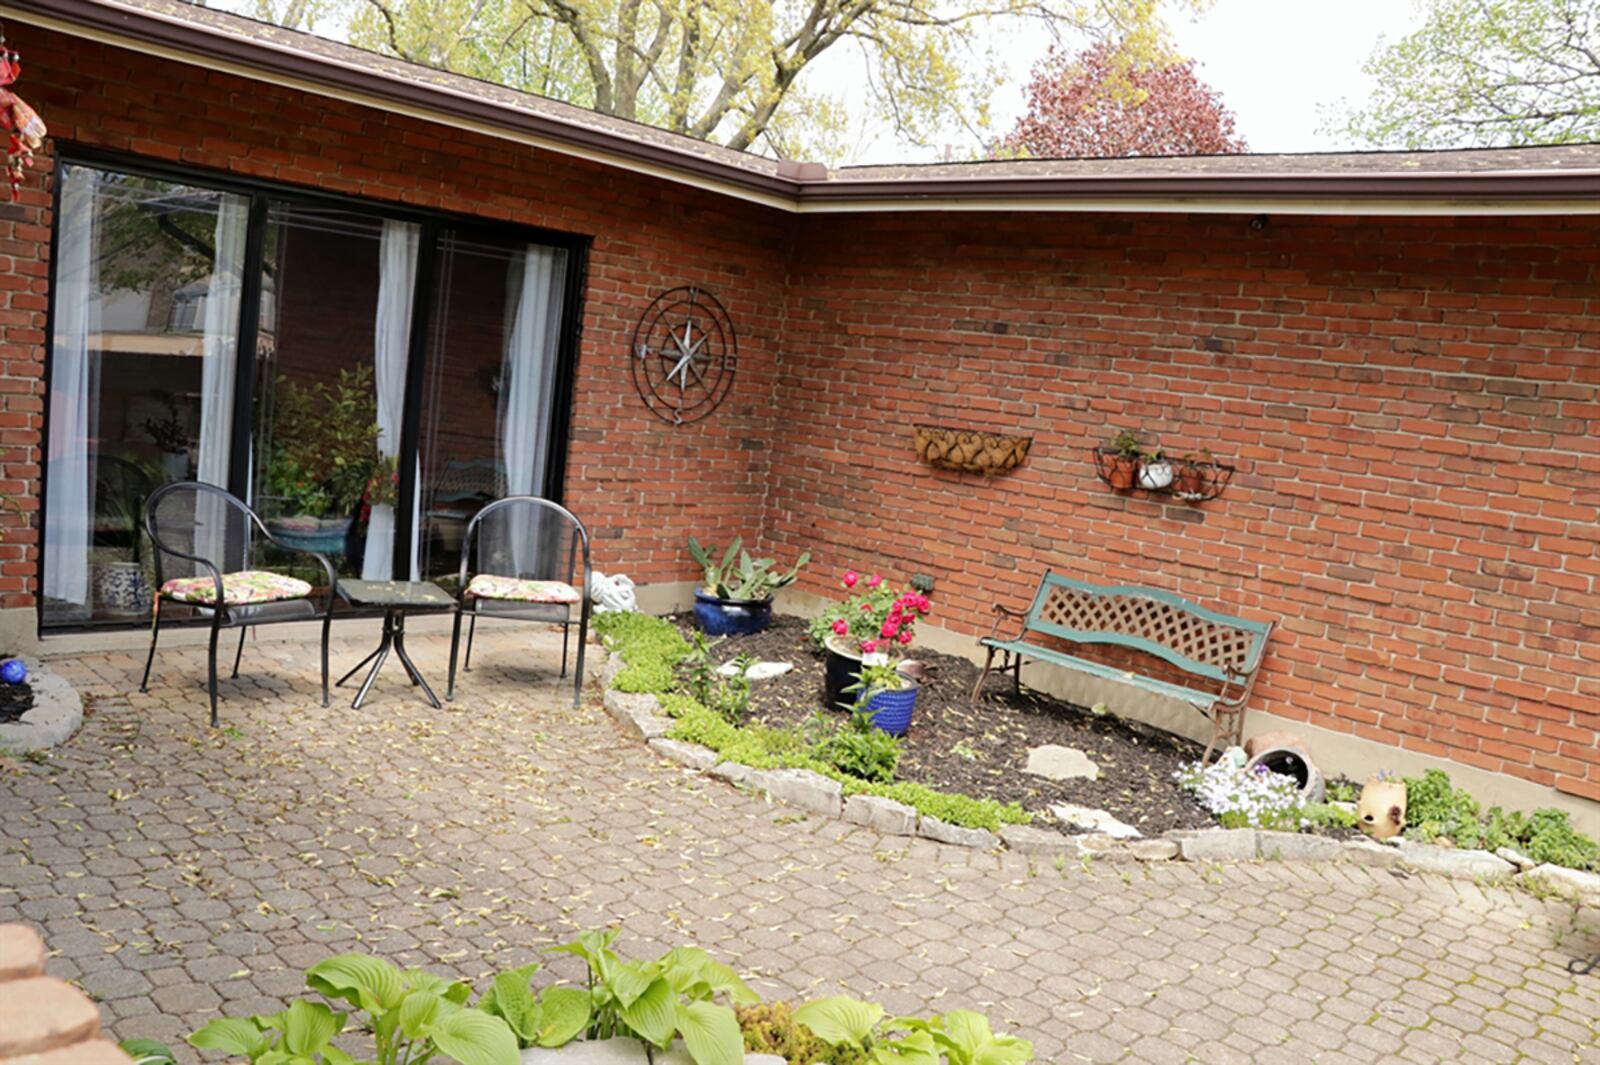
<point x="684" y="355"/>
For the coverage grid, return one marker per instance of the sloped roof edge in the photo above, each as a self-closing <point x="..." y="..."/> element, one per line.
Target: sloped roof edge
<point x="1492" y="181"/>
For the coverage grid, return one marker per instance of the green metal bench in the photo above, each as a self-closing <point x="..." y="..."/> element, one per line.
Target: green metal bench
<point x="1206" y="644"/>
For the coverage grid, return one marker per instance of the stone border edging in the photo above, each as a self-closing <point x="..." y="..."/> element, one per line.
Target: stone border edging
<point x="639" y="714"/>
<point x="56" y="714"/>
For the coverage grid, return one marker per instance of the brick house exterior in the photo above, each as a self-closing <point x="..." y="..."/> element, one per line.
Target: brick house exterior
<point x="1413" y="400"/>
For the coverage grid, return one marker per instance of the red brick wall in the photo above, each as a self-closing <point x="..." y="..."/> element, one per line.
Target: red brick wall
<point x="1412" y="405"/>
<point x="641" y="485"/>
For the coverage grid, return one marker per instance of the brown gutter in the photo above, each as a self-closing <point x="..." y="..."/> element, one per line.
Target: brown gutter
<point x="799" y="186"/>
<point x="206" y="44"/>
<point x="1491" y="185"/>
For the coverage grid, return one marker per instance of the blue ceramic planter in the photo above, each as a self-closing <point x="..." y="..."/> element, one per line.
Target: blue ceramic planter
<point x="891" y="710"/>
<point x="731" y="617"/>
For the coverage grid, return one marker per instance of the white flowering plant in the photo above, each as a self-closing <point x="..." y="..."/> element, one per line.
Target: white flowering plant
<point x="1244" y="798"/>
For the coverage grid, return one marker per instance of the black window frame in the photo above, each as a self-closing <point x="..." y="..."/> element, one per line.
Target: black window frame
<point x="259" y="192"/>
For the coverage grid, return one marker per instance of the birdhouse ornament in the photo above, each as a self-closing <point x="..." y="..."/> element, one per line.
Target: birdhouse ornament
<point x="25" y="129"/>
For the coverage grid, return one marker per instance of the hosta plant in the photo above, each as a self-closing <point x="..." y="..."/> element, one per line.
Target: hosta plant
<point x="657" y="1001"/>
<point x="552" y="1018"/>
<point x="959" y="1037"/>
<point x="413" y="1015"/>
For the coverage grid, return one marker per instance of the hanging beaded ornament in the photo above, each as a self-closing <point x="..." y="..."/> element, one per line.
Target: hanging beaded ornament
<point x="26" y="128"/>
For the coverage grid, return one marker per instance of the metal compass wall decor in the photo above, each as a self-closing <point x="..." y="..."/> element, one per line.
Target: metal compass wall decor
<point x="684" y="355"/>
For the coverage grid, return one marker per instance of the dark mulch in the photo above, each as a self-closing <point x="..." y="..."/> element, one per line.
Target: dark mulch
<point x="981" y="750"/>
<point x="15" y="699"/>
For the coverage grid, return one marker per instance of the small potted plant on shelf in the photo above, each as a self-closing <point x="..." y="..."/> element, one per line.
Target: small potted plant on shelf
<point x="171" y="436"/>
<point x="1119" y="463"/>
<point x="1191" y="478"/>
<point x="875" y="620"/>
<point x="324" y="459"/>
<point x="1155" y="472"/>
<point x="736" y="600"/>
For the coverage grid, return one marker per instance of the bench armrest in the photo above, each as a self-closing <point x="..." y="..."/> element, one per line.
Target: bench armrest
<point x="1002" y="612"/>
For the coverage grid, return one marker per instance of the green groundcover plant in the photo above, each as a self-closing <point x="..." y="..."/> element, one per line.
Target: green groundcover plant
<point x="412" y="1017"/>
<point x="653" y="651"/>
<point x="1437" y="811"/>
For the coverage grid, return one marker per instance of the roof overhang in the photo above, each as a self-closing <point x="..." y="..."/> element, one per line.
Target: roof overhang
<point x="808" y="189"/>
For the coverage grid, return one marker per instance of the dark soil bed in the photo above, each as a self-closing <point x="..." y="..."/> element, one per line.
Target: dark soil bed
<point x="15" y="699"/>
<point x="981" y="750"/>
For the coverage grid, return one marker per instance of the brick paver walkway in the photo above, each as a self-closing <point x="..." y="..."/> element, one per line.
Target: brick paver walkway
<point x="178" y="872"/>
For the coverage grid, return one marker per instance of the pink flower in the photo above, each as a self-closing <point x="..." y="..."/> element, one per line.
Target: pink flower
<point x="895" y="613"/>
<point x="868" y="646"/>
<point x="923" y="604"/>
<point x="905" y="636"/>
<point x="888" y="630"/>
<point x="874" y="580"/>
<point x="850" y="578"/>
<point x="866" y="606"/>
<point x="841" y="627"/>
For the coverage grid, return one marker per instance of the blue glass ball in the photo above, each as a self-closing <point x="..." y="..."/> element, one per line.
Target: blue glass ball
<point x="13" y="671"/>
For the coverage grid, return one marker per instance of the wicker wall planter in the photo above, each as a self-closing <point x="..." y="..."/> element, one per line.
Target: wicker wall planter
<point x="969" y="451"/>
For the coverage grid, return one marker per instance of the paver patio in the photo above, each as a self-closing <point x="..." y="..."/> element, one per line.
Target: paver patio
<point x="178" y="872"/>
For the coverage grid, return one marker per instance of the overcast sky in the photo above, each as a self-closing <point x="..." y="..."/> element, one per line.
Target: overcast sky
<point x="1275" y="62"/>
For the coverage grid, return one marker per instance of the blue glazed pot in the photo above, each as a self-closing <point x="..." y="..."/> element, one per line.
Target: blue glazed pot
<point x="327" y="536"/>
<point x="731" y="617"/>
<point x="891" y="710"/>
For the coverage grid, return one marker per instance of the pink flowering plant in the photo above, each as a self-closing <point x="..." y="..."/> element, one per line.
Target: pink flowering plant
<point x="874" y="618"/>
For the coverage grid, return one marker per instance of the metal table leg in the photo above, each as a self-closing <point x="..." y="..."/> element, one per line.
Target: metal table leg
<point x="405" y="660"/>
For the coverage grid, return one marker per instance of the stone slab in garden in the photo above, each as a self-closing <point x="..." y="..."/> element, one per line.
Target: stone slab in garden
<point x="622" y="1052"/>
<point x="945" y="832"/>
<point x="757" y="671"/>
<point x="1448" y="861"/>
<point x="880" y="814"/>
<point x="56" y="713"/>
<point x="636" y="713"/>
<point x="1092" y="820"/>
<point x="1585" y="887"/>
<point x="802" y="788"/>
<point x="1219" y="845"/>
<point x="690" y="754"/>
<point x="1054" y="762"/>
<point x="1038" y="842"/>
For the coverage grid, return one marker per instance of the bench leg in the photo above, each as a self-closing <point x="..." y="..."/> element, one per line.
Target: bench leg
<point x="1016" y="675"/>
<point x="1227" y="729"/>
<point x="988" y="663"/>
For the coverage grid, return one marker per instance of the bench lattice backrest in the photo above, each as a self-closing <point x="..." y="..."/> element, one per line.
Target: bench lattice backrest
<point x="1189" y="636"/>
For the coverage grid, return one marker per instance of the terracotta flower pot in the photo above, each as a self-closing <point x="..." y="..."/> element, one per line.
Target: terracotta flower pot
<point x="1381" y="811"/>
<point x="1190" y="482"/>
<point x="1124" y="470"/>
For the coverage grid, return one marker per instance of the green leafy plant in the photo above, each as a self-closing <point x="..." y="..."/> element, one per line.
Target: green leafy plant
<point x="750" y="579"/>
<point x="1551" y="838"/>
<point x="657" y="1001"/>
<point x="553" y="1018"/>
<point x="413" y="1016"/>
<point x="1321" y="815"/>
<point x="325" y="444"/>
<point x="699" y="677"/>
<point x="861" y="750"/>
<point x="1435" y="809"/>
<point x="960" y="1037"/>
<point x="148" y="1052"/>
<point x="1126" y="444"/>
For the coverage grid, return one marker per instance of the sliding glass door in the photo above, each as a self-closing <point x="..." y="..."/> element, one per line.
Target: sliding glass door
<point x="365" y="380"/>
<point x="144" y="342"/>
<point x="491" y="379"/>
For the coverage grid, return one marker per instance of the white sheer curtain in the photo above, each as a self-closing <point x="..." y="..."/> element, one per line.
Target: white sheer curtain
<point x="397" y="276"/>
<point x="528" y="374"/>
<point x="77" y="318"/>
<point x="218" y="369"/>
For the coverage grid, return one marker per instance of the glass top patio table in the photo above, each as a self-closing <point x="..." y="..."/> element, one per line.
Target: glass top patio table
<point x="397" y="598"/>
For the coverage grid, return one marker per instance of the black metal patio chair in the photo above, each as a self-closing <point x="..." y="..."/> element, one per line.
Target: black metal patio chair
<point x="206" y="541"/>
<point x="524" y="559"/>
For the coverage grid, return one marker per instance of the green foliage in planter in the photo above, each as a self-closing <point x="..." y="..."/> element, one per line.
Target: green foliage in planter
<point x="1437" y="810"/>
<point x="769" y="748"/>
<point x="1321" y="815"/>
<point x="649" y="675"/>
<point x="959" y="1037"/>
<point x="751" y="579"/>
<point x="772" y="1029"/>
<point x="325" y="444"/>
<point x="860" y="750"/>
<point x="953" y="809"/>
<point x="413" y="1015"/>
<point x="1551" y="838"/>
<point x="658" y="1001"/>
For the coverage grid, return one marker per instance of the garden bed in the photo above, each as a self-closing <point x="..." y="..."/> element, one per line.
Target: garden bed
<point x="982" y="750"/>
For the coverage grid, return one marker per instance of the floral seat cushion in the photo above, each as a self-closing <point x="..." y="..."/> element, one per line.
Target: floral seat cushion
<point x="238" y="589"/>
<point x="486" y="586"/>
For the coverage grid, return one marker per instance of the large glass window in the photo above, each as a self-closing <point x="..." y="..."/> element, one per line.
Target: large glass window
<point x="148" y="278"/>
<point x="491" y="383"/>
<point x="154" y="350"/>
